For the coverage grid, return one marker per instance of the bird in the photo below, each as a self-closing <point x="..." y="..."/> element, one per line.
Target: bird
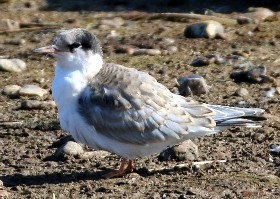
<point x="125" y="111"/>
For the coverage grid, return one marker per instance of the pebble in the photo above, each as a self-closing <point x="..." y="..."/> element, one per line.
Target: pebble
<point x="208" y="29"/>
<point x="244" y="20"/>
<point x="144" y="51"/>
<point x="242" y="92"/>
<point x="70" y="148"/>
<point x="198" y="62"/>
<point x="12" y="65"/>
<point x="125" y="49"/>
<point x="36" y="104"/>
<point x="116" y="22"/>
<point x="244" y="54"/>
<point x="268" y="94"/>
<point x="16" y="42"/>
<point x="254" y="75"/>
<point x="62" y="141"/>
<point x="11" y="90"/>
<point x="275" y="150"/>
<point x="185" y="151"/>
<point x="219" y="60"/>
<point x="245" y="65"/>
<point x="172" y="49"/>
<point x="4" y="194"/>
<point x="166" y="41"/>
<point x="259" y="137"/>
<point x="113" y="34"/>
<point x="32" y="90"/>
<point x="8" y="24"/>
<point x="192" y="85"/>
<point x="260" y="13"/>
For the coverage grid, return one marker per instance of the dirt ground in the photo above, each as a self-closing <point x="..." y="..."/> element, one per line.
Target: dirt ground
<point x="250" y="171"/>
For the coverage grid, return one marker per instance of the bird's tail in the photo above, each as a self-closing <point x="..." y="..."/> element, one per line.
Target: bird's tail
<point x="233" y="116"/>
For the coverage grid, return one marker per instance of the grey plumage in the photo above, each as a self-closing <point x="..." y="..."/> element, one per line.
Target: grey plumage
<point x="132" y="107"/>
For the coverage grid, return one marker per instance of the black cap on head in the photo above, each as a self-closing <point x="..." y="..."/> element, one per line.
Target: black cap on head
<point x="68" y="40"/>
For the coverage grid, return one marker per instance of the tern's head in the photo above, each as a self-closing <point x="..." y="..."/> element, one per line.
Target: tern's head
<point x="74" y="48"/>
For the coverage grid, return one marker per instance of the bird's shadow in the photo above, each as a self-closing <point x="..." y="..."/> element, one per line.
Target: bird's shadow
<point x="60" y="177"/>
<point x="50" y="178"/>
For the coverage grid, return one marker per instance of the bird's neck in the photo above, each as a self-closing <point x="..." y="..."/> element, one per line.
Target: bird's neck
<point x="71" y="80"/>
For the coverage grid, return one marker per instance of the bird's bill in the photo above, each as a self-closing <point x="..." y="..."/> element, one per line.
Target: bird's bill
<point x="46" y="50"/>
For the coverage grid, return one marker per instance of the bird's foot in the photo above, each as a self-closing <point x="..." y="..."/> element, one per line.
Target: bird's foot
<point x="130" y="166"/>
<point x="121" y="172"/>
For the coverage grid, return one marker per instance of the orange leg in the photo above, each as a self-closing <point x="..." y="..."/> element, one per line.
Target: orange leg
<point x="121" y="171"/>
<point x="130" y="166"/>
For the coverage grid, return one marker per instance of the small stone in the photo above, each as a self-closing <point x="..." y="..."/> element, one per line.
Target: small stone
<point x="162" y="71"/>
<point x="242" y="92"/>
<point x="36" y="104"/>
<point x="172" y="49"/>
<point x="116" y="22"/>
<point x="227" y="194"/>
<point x="278" y="90"/>
<point x="15" y="42"/>
<point x="12" y="65"/>
<point x="11" y="90"/>
<point x="245" y="65"/>
<point x="208" y="29"/>
<point x="70" y="20"/>
<point x="192" y="85"/>
<point x="245" y="54"/>
<point x="185" y="151"/>
<point x="4" y="194"/>
<point x="260" y="13"/>
<point x="254" y="75"/>
<point x="62" y="141"/>
<point x="70" y="148"/>
<point x="200" y="62"/>
<point x="8" y="24"/>
<point x="275" y="150"/>
<point x="267" y="95"/>
<point x="219" y="60"/>
<point x="244" y="20"/>
<point x="144" y="51"/>
<point x="113" y="34"/>
<point x="125" y="49"/>
<point x="259" y="137"/>
<point x="32" y="90"/>
<point x="167" y="41"/>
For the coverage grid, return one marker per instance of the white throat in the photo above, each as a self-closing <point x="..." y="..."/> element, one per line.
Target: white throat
<point x="72" y="75"/>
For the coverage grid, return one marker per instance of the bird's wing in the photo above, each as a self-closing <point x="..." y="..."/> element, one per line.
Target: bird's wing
<point x="131" y="106"/>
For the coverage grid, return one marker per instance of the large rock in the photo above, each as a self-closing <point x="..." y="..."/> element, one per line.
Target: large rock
<point x="208" y="29"/>
<point x="12" y="65"/>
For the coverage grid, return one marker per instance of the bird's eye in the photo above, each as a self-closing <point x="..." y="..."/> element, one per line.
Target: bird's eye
<point x="73" y="46"/>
